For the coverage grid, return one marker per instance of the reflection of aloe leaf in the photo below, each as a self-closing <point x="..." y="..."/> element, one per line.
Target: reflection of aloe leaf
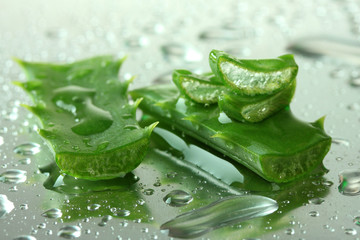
<point x="187" y="151"/>
<point x="224" y="212"/>
<point x="70" y="185"/>
<point x="84" y="194"/>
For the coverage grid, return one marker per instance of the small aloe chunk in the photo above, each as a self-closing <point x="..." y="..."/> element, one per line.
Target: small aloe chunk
<point x="199" y="88"/>
<point x="253" y="77"/>
<point x="255" y="108"/>
<point x="279" y="149"/>
<point x="86" y="118"/>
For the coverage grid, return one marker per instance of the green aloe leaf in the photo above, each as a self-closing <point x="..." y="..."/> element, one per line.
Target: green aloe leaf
<point x="199" y="88"/>
<point x="256" y="108"/>
<point x="253" y="77"/>
<point x="85" y="116"/>
<point x="279" y="149"/>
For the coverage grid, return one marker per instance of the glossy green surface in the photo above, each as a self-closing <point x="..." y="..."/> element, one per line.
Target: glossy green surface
<point x="253" y="77"/>
<point x="200" y="88"/>
<point x="279" y="149"/>
<point x="256" y="108"/>
<point x="86" y="117"/>
<point x="246" y="90"/>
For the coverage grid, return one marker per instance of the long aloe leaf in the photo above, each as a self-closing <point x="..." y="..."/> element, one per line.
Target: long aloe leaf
<point x="279" y="149"/>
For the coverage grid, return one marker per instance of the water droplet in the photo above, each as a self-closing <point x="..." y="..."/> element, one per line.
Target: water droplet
<point x="78" y="101"/>
<point x="93" y="207"/>
<point x="314" y="214"/>
<point x="102" y="224"/>
<point x="24" y="206"/>
<point x="339" y="159"/>
<point x="357" y="220"/>
<point x="354" y="106"/>
<point x="218" y="214"/>
<point x="349" y="182"/>
<point x="290" y="231"/>
<point x="127" y="115"/>
<point x="104" y="220"/>
<point x="27" y="149"/>
<point x="6" y="206"/>
<point x="140" y="202"/>
<point x="171" y="174"/>
<point x="69" y="232"/>
<point x="13" y="189"/>
<point x="41" y="226"/>
<point x="316" y="201"/>
<point x="13" y="176"/>
<point x="153" y="236"/>
<point x="75" y="147"/>
<point x="102" y="146"/>
<point x="149" y="191"/>
<point x="25" y="237"/>
<point x="137" y="42"/>
<point x="178" y="198"/>
<point x="52" y="213"/>
<point x="122" y="213"/>
<point x="25" y="161"/>
<point x="131" y="127"/>
<point x="327" y="183"/>
<point x="350" y="231"/>
<point x="355" y="81"/>
<point x="157" y="184"/>
<point x="174" y="51"/>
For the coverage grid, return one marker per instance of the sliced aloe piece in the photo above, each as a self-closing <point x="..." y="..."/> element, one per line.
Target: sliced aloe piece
<point x="253" y="77"/>
<point x="86" y="118"/>
<point x="199" y="88"/>
<point x="256" y="108"/>
<point x="279" y="149"/>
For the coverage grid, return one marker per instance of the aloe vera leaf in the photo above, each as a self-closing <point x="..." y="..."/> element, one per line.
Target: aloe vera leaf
<point x="85" y="116"/>
<point x="199" y="88"/>
<point x="279" y="149"/>
<point x="256" y="108"/>
<point x="253" y="77"/>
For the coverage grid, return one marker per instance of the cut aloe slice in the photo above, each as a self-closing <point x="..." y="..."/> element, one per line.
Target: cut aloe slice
<point x="86" y="118"/>
<point x="256" y="108"/>
<point x="253" y="77"/>
<point x="200" y="88"/>
<point x="279" y="149"/>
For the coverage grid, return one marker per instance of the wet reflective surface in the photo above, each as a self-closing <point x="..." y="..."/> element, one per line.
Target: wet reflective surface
<point x="177" y="176"/>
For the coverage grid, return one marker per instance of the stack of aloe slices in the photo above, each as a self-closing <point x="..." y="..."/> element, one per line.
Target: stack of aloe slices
<point x="246" y="90"/>
<point x="86" y="117"/>
<point x="242" y="110"/>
